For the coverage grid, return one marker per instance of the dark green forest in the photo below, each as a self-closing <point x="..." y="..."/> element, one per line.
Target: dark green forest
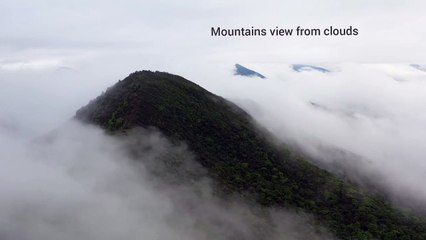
<point x="242" y="158"/>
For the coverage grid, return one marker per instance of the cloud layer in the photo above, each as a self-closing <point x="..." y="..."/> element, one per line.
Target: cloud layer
<point x="78" y="183"/>
<point x="373" y="113"/>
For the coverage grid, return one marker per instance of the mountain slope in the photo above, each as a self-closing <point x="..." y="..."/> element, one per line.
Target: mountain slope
<point x="241" y="158"/>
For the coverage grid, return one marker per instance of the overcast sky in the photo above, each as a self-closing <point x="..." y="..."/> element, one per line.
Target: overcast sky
<point x="56" y="55"/>
<point x="45" y="33"/>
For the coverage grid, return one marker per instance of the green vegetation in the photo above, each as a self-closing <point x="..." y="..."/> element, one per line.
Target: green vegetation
<point x="241" y="159"/>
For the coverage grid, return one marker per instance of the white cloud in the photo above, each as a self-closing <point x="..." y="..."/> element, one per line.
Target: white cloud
<point x="37" y="64"/>
<point x="78" y="183"/>
<point x="360" y="109"/>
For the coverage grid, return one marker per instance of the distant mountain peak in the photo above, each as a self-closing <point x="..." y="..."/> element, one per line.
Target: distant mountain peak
<point x="306" y="67"/>
<point x="243" y="71"/>
<point x="419" y="67"/>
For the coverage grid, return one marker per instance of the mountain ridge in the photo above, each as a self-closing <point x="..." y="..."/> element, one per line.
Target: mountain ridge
<point x="226" y="142"/>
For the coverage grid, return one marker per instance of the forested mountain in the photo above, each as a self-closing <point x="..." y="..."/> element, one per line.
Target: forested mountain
<point x="242" y="159"/>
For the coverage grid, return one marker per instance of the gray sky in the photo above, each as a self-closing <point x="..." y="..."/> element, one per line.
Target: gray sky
<point x="46" y="33"/>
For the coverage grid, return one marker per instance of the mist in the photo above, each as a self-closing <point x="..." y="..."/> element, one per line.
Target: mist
<point x="364" y="122"/>
<point x="79" y="183"/>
